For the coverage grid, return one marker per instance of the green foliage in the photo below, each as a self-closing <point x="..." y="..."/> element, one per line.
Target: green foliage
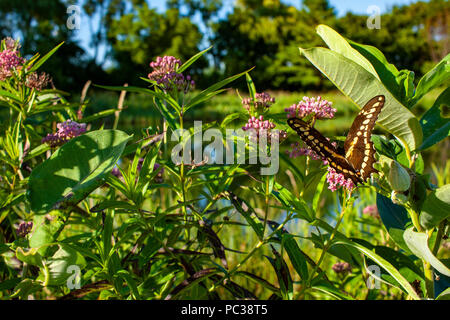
<point x="138" y="224"/>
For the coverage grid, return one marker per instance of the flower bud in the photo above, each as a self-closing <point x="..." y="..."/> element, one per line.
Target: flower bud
<point x="398" y="198"/>
<point x="399" y="178"/>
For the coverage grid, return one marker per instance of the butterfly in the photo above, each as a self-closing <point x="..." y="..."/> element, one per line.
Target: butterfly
<point x="356" y="161"/>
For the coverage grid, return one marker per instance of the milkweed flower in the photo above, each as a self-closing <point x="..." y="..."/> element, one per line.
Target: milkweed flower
<point x="262" y="100"/>
<point x="165" y="74"/>
<point x="9" y="61"/>
<point x="37" y="81"/>
<point x="372" y="211"/>
<point x="319" y="107"/>
<point x="66" y="130"/>
<point x="297" y="150"/>
<point x="159" y="177"/>
<point x="342" y="267"/>
<point x="262" y="126"/>
<point x="24" y="228"/>
<point x="336" y="180"/>
<point x="11" y="44"/>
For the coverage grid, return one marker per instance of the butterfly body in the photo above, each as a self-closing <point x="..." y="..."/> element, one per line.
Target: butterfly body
<point x="356" y="162"/>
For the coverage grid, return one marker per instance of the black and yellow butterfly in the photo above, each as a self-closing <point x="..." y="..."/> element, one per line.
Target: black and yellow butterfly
<point x="357" y="159"/>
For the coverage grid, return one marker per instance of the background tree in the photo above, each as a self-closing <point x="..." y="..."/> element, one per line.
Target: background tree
<point x="41" y="25"/>
<point x="141" y="33"/>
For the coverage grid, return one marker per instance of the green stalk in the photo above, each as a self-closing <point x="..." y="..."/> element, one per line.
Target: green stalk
<point x="427" y="270"/>
<point x="328" y="244"/>
<point x="183" y="183"/>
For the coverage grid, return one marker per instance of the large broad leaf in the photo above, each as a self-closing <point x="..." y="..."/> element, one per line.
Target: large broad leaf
<point x="386" y="71"/>
<point x="46" y="230"/>
<point x="395" y="219"/>
<point x="361" y="86"/>
<point x="441" y="286"/>
<point x="338" y="44"/>
<point x="418" y="244"/>
<point x="75" y="169"/>
<point x="435" y="127"/>
<point x="436" y="207"/>
<point x="65" y="263"/>
<point x="368" y="252"/>
<point x="434" y="78"/>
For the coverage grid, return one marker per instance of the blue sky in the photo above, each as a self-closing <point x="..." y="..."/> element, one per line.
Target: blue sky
<point x="341" y="6"/>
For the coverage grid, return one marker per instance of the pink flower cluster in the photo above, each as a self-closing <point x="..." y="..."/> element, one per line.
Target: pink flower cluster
<point x="336" y="180"/>
<point x="342" y="267"/>
<point x="258" y="123"/>
<point x="261" y="125"/>
<point x="320" y="108"/>
<point x="372" y="211"/>
<point x="24" y="228"/>
<point x="297" y="151"/>
<point x="66" y="130"/>
<point x="11" y="44"/>
<point x="9" y="60"/>
<point x="165" y="74"/>
<point x="37" y="81"/>
<point x="262" y="100"/>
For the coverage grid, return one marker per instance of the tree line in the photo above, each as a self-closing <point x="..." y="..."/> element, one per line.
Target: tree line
<point x="261" y="33"/>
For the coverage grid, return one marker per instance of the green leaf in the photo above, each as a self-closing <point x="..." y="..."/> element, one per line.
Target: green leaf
<point x="229" y="118"/>
<point x="445" y="295"/>
<point x="435" y="127"/>
<point x="41" y="61"/>
<point x="386" y="265"/>
<point x="338" y="44"/>
<point x="258" y="280"/>
<point x="432" y="79"/>
<point x="36" y="151"/>
<point x="98" y="115"/>
<point x="361" y="86"/>
<point x="295" y="255"/>
<point x="292" y="203"/>
<point x="75" y="169"/>
<point x="330" y="290"/>
<point x="59" y="264"/>
<point x="31" y="257"/>
<point x="436" y="207"/>
<point x="283" y="274"/>
<point x="46" y="230"/>
<point x="418" y="244"/>
<point x="249" y="214"/>
<point x="212" y="90"/>
<point x="165" y="112"/>
<point x="395" y="219"/>
<point x="251" y="86"/>
<point x="130" y="281"/>
<point x="387" y="72"/>
<point x="194" y="58"/>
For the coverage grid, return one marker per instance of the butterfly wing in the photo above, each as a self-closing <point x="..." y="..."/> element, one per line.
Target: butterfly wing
<point x="359" y="149"/>
<point x="323" y="147"/>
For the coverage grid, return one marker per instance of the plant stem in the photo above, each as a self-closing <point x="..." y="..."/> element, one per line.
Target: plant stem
<point x="328" y="244"/>
<point x="183" y="183"/>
